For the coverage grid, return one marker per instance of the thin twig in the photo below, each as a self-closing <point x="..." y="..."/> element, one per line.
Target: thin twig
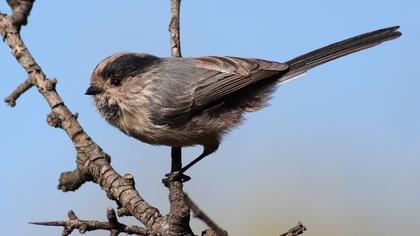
<point x="297" y="230"/>
<point x="11" y="99"/>
<point x="202" y="216"/>
<point x="91" y="225"/>
<point x="179" y="210"/>
<point x="174" y="28"/>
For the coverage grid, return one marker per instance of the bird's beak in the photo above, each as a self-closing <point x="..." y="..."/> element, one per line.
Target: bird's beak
<point x="93" y="90"/>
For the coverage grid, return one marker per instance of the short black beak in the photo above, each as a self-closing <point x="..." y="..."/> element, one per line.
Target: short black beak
<point x="93" y="90"/>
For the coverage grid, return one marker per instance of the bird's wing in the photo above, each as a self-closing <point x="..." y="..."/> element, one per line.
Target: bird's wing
<point x="209" y="80"/>
<point x="234" y="74"/>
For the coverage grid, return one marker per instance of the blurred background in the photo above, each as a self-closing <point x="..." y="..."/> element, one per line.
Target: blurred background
<point x="338" y="149"/>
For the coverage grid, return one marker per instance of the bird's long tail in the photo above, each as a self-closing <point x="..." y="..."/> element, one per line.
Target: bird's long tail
<point x="301" y="64"/>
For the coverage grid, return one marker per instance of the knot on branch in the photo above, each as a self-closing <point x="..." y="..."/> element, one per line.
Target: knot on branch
<point x="50" y="84"/>
<point x="55" y="120"/>
<point x="19" y="51"/>
<point x="21" y="10"/>
<point x="129" y="179"/>
<point x="72" y="180"/>
<point x="123" y="211"/>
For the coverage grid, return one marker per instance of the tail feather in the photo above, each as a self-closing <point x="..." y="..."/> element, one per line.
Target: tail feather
<point x="301" y="64"/>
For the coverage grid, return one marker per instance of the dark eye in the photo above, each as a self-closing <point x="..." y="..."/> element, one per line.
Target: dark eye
<point x="116" y="82"/>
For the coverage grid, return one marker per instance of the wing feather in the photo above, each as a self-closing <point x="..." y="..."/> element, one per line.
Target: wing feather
<point x="203" y="81"/>
<point x="246" y="71"/>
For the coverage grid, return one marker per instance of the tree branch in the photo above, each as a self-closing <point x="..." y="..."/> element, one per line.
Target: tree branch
<point x="297" y="230"/>
<point x="92" y="163"/>
<point x="22" y="88"/>
<point x="83" y="226"/>
<point x="179" y="213"/>
<point x="174" y="28"/>
<point x="203" y="216"/>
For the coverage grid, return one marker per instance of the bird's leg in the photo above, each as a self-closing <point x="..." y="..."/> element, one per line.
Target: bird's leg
<point x="199" y="158"/>
<point x="176" y="166"/>
<point x="177" y="172"/>
<point x="176" y="158"/>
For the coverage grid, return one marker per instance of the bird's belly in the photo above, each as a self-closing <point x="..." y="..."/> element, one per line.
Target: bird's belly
<point x="201" y="130"/>
<point x="175" y="137"/>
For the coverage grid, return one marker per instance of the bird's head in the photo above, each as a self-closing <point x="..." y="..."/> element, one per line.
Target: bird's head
<point x="110" y="81"/>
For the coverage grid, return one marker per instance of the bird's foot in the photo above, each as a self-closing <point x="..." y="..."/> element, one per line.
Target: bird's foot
<point x="175" y="176"/>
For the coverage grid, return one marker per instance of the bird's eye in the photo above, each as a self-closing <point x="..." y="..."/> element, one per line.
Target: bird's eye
<point x="115" y="82"/>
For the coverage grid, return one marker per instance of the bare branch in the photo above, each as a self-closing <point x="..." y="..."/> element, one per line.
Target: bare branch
<point x="179" y="211"/>
<point x="174" y="28"/>
<point x="202" y="216"/>
<point x="11" y="99"/>
<point x="92" y="163"/>
<point x="83" y="226"/>
<point x="297" y="230"/>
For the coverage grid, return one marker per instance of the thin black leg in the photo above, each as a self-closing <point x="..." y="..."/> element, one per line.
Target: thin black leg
<point x="199" y="158"/>
<point x="176" y="157"/>
<point x="176" y="166"/>
<point x="177" y="171"/>
<point x="208" y="149"/>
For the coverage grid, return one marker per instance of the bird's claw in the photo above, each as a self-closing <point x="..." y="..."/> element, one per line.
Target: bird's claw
<point x="175" y="176"/>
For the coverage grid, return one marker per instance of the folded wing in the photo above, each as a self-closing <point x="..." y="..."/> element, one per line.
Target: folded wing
<point x="202" y="82"/>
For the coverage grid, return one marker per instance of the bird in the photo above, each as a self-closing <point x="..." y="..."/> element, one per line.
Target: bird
<point x="182" y="102"/>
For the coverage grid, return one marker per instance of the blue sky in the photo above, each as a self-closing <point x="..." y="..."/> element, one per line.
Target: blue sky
<point x="338" y="148"/>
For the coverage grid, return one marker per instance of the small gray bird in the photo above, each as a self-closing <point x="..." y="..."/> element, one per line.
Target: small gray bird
<point x="181" y="102"/>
